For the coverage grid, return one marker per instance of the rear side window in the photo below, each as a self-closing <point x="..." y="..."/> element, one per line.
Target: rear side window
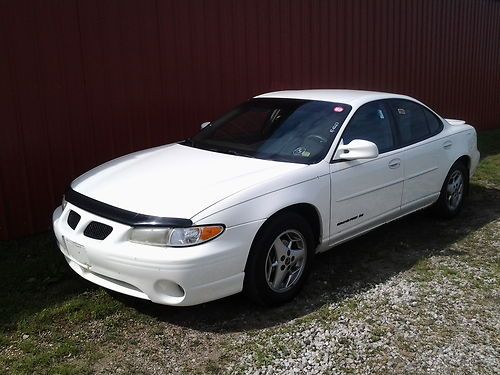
<point x="435" y="125"/>
<point x="414" y="122"/>
<point x="371" y="122"/>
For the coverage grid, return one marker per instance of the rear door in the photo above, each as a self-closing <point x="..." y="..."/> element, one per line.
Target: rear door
<point x="419" y="133"/>
<point x="364" y="192"/>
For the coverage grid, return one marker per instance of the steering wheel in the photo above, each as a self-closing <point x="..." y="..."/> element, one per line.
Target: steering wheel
<point x="316" y="138"/>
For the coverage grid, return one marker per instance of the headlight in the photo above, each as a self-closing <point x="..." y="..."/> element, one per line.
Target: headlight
<point x="63" y="203"/>
<point x="175" y="237"/>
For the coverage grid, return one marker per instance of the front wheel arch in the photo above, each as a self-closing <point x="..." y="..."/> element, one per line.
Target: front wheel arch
<point x="255" y="286"/>
<point x="309" y="212"/>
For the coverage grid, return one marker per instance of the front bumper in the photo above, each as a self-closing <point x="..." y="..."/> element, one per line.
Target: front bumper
<point x="170" y="276"/>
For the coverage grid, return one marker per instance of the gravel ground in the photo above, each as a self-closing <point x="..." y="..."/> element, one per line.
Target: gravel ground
<point x="439" y="317"/>
<point x="399" y="326"/>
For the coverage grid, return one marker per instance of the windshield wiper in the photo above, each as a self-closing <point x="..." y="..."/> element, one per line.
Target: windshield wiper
<point x="238" y="153"/>
<point x="229" y="152"/>
<point x="190" y="142"/>
<point x="187" y="142"/>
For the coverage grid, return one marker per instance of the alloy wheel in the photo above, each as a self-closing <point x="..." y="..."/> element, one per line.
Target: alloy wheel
<point x="455" y="190"/>
<point x="286" y="260"/>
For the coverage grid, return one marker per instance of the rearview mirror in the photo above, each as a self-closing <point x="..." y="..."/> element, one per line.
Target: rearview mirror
<point x="204" y="125"/>
<point x="358" y="149"/>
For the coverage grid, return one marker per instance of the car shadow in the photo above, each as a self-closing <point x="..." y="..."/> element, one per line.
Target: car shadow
<point x="350" y="268"/>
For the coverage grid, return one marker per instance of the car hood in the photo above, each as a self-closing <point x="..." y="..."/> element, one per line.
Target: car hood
<point x="175" y="180"/>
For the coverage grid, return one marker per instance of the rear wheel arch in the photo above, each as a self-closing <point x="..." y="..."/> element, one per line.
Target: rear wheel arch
<point x="465" y="160"/>
<point x="456" y="182"/>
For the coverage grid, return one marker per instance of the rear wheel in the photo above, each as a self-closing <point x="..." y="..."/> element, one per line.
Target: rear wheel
<point x="279" y="260"/>
<point x="455" y="187"/>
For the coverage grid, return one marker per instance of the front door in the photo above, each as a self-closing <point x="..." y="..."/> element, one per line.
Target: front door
<point x="365" y="191"/>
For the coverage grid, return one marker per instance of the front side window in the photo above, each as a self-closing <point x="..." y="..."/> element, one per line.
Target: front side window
<point x="371" y="122"/>
<point x="291" y="130"/>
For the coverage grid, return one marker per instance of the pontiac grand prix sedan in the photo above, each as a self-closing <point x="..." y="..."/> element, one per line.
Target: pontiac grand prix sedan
<point x="247" y="202"/>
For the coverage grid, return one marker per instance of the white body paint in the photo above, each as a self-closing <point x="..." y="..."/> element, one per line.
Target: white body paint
<point x="350" y="198"/>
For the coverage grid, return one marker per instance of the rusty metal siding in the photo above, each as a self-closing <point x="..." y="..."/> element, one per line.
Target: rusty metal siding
<point x="82" y="82"/>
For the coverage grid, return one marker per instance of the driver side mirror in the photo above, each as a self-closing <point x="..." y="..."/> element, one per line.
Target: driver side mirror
<point x="204" y="125"/>
<point x="357" y="149"/>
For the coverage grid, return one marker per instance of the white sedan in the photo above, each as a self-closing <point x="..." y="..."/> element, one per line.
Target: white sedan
<point x="247" y="202"/>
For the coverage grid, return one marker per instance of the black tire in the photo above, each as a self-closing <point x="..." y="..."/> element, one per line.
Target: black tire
<point x="256" y="285"/>
<point x="443" y="207"/>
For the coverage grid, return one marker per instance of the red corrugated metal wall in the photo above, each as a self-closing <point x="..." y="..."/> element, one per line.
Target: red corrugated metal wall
<point x="82" y="82"/>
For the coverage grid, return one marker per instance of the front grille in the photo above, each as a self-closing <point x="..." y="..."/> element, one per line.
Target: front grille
<point x="97" y="231"/>
<point x="73" y="219"/>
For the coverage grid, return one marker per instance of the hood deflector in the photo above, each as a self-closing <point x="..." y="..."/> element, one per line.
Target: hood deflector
<point x="120" y="215"/>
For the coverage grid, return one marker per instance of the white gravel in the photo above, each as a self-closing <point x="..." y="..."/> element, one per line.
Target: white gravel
<point x="447" y="322"/>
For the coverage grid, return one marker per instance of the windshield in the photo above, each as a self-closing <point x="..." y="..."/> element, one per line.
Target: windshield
<point x="292" y="130"/>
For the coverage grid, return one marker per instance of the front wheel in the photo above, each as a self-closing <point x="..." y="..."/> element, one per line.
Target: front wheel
<point x="279" y="260"/>
<point x="455" y="187"/>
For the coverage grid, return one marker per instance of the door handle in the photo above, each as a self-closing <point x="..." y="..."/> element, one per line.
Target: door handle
<point x="447" y="145"/>
<point x="394" y="163"/>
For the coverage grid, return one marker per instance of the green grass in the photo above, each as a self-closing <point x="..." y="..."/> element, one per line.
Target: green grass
<point x="53" y="322"/>
<point x="44" y="307"/>
<point x="488" y="173"/>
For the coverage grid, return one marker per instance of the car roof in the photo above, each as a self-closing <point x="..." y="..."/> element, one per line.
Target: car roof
<point x="352" y="97"/>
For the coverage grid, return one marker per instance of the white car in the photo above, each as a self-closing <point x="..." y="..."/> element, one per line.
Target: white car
<point x="246" y="203"/>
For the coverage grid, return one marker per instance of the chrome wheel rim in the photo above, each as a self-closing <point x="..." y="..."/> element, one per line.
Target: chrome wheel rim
<point x="455" y="190"/>
<point x="285" y="261"/>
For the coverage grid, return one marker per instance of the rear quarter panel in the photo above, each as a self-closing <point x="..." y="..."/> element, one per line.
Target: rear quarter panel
<point x="464" y="139"/>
